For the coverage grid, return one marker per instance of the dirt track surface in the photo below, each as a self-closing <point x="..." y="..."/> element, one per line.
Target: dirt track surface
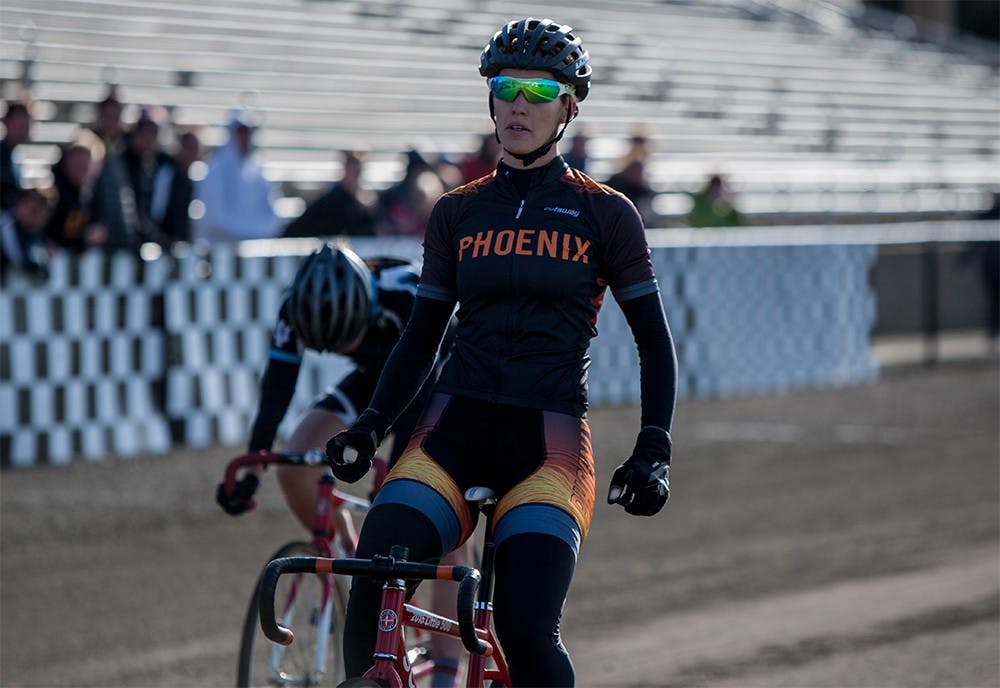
<point x="831" y="538"/>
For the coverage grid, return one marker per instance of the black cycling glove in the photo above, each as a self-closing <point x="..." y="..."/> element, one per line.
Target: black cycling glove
<point x="642" y="483"/>
<point x="241" y="498"/>
<point x="350" y="452"/>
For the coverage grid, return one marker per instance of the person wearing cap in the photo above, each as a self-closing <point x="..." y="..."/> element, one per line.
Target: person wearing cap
<point x="238" y="200"/>
<point x="527" y="253"/>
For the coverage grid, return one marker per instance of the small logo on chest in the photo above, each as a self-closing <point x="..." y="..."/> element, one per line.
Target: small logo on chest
<point x="525" y="242"/>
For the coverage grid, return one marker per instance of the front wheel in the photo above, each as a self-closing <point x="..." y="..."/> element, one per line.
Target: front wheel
<point x="301" y="603"/>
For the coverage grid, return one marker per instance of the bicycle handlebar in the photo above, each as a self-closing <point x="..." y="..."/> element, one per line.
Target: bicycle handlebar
<point x="381" y="568"/>
<point x="311" y="458"/>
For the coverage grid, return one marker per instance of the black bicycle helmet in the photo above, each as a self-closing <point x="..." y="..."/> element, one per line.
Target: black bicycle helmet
<point x="330" y="299"/>
<point x="531" y="43"/>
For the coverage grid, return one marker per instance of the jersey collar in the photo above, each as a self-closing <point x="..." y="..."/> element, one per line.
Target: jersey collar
<point x="547" y="174"/>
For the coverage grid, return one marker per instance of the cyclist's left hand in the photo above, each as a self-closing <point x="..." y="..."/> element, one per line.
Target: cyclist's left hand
<point x="642" y="483"/>
<point x="241" y="498"/>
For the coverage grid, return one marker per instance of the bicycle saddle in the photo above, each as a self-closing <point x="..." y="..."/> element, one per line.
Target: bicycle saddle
<point x="480" y="496"/>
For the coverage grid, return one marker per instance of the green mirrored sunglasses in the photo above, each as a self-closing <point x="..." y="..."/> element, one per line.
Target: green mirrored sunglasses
<point x="535" y="90"/>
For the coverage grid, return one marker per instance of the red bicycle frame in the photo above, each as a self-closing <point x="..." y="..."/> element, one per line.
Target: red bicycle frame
<point x="328" y="498"/>
<point x="324" y="526"/>
<point x="391" y="665"/>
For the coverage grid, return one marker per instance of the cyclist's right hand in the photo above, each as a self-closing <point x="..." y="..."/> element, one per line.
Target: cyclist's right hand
<point x="241" y="498"/>
<point x="350" y="452"/>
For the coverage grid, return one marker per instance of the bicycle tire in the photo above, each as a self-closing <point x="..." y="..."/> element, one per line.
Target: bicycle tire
<point x="296" y="663"/>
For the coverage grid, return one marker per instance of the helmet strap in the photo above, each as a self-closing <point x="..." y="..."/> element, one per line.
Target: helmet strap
<point x="531" y="156"/>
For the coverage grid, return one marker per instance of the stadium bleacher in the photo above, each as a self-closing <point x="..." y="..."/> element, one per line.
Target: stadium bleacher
<point x="810" y="117"/>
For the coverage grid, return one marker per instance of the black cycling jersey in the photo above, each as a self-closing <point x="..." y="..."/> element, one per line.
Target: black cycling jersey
<point x="395" y="283"/>
<point x="529" y="275"/>
<point x="528" y="266"/>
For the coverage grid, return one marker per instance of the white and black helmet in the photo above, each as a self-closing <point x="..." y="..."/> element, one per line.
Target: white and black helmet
<point x="330" y="299"/>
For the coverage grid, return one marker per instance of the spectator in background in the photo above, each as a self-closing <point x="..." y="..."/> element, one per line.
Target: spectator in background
<point x="989" y="272"/>
<point x="714" y="206"/>
<point x="71" y="225"/>
<point x="113" y="202"/>
<point x="405" y="206"/>
<point x="239" y="200"/>
<point x="143" y="157"/>
<point x="576" y="156"/>
<point x="345" y="209"/>
<point x="638" y="146"/>
<point x="481" y="162"/>
<point x="631" y="181"/>
<point x="17" y="130"/>
<point x="173" y="190"/>
<point x="630" y="177"/>
<point x="22" y="233"/>
<point x="993" y="211"/>
<point x="986" y="257"/>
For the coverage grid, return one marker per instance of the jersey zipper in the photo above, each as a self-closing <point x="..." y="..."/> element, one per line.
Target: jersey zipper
<point x="511" y="324"/>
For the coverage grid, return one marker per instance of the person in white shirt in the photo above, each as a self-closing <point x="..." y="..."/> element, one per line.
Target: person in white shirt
<point x="238" y="200"/>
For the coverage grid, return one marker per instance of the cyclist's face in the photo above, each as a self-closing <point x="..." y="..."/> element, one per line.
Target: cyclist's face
<point x="523" y="126"/>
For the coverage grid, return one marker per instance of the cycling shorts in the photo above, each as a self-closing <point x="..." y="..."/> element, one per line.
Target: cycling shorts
<point x="539" y="464"/>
